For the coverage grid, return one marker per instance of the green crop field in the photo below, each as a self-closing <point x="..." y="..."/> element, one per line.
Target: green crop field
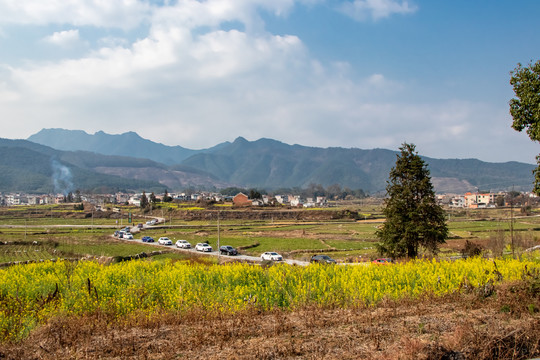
<point x="94" y="275"/>
<point x="78" y="234"/>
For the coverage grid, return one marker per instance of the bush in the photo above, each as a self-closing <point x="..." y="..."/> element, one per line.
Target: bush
<point x="471" y="249"/>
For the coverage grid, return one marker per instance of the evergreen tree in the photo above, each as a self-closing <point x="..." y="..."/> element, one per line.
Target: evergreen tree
<point x="78" y="197"/>
<point x="144" y="200"/>
<point x="153" y="199"/>
<point x="166" y="197"/>
<point x="254" y="194"/>
<point x="413" y="217"/>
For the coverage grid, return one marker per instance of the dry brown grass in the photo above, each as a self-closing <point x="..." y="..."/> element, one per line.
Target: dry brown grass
<point x="505" y="325"/>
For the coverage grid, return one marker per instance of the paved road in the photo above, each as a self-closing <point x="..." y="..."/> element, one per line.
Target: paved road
<point x="256" y="259"/>
<point x="248" y="258"/>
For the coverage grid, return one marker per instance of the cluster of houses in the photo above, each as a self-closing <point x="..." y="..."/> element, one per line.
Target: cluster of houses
<point x="239" y="199"/>
<point x="26" y="199"/>
<point x="477" y="200"/>
<point x="470" y="200"/>
<point x="292" y="200"/>
<point x="135" y="199"/>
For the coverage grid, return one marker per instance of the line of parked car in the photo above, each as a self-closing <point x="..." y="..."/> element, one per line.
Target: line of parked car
<point x="229" y="250"/>
<point x="184" y="244"/>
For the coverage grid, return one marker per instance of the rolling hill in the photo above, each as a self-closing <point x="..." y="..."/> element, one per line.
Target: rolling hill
<point x="270" y="164"/>
<point x="33" y="168"/>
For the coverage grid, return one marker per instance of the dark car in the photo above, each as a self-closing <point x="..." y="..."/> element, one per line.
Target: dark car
<point x="383" y="261"/>
<point x="227" y="250"/>
<point x="147" y="239"/>
<point x="322" y="259"/>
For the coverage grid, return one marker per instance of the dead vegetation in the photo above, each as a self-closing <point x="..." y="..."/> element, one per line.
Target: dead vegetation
<point x="504" y="324"/>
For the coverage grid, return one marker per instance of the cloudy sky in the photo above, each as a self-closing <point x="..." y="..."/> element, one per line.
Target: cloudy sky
<point x="348" y="73"/>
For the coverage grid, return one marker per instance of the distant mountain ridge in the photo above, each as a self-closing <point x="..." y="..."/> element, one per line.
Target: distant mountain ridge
<point x="126" y="144"/>
<point x="270" y="164"/>
<point x="33" y="168"/>
<point x="29" y="167"/>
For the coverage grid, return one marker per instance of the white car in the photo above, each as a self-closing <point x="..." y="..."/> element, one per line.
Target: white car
<point x="204" y="247"/>
<point x="151" y="222"/>
<point x="164" y="241"/>
<point x="128" y="236"/>
<point x="183" y="244"/>
<point x="271" y="256"/>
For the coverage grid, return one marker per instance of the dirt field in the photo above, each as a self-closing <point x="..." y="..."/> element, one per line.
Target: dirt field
<point x="505" y="325"/>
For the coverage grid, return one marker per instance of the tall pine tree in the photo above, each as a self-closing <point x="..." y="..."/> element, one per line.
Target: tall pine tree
<point x="144" y="200"/>
<point x="413" y="217"/>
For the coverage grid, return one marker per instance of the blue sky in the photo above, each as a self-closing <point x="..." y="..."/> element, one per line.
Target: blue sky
<point x="357" y="73"/>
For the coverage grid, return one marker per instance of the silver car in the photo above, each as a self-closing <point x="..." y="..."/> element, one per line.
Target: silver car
<point x="271" y="256"/>
<point x="183" y="244"/>
<point x="204" y="247"/>
<point x="164" y="241"/>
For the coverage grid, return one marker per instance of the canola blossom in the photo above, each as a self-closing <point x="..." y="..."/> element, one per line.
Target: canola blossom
<point x="31" y="294"/>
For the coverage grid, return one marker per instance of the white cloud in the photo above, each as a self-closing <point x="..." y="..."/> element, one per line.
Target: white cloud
<point x="123" y="14"/>
<point x="128" y="14"/>
<point x="376" y="9"/>
<point x="63" y="38"/>
<point x="188" y="82"/>
<point x="112" y="42"/>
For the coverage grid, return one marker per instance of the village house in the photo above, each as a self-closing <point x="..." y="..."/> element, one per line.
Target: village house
<point x="475" y="200"/>
<point x="296" y="201"/>
<point x="257" y="202"/>
<point x="241" y="199"/>
<point x="121" y="198"/>
<point x="458" y="201"/>
<point x="135" y="200"/>
<point x="282" y="199"/>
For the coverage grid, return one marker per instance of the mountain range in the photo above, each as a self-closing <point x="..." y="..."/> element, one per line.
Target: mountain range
<point x="128" y="161"/>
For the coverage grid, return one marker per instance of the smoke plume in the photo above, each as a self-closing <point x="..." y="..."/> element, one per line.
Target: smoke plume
<point x="62" y="178"/>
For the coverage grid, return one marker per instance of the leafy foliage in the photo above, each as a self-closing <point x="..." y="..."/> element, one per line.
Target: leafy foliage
<point x="525" y="108"/>
<point x="413" y="217"/>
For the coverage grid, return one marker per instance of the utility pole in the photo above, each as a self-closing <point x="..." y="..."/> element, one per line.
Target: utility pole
<point x="218" y="236"/>
<point x="512" y="222"/>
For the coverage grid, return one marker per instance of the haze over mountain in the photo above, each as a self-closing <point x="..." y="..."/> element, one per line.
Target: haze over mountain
<point x="34" y="168"/>
<point x="270" y="164"/>
<point x="126" y="144"/>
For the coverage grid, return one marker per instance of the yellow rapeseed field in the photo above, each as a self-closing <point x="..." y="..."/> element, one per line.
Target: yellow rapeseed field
<point x="31" y="294"/>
